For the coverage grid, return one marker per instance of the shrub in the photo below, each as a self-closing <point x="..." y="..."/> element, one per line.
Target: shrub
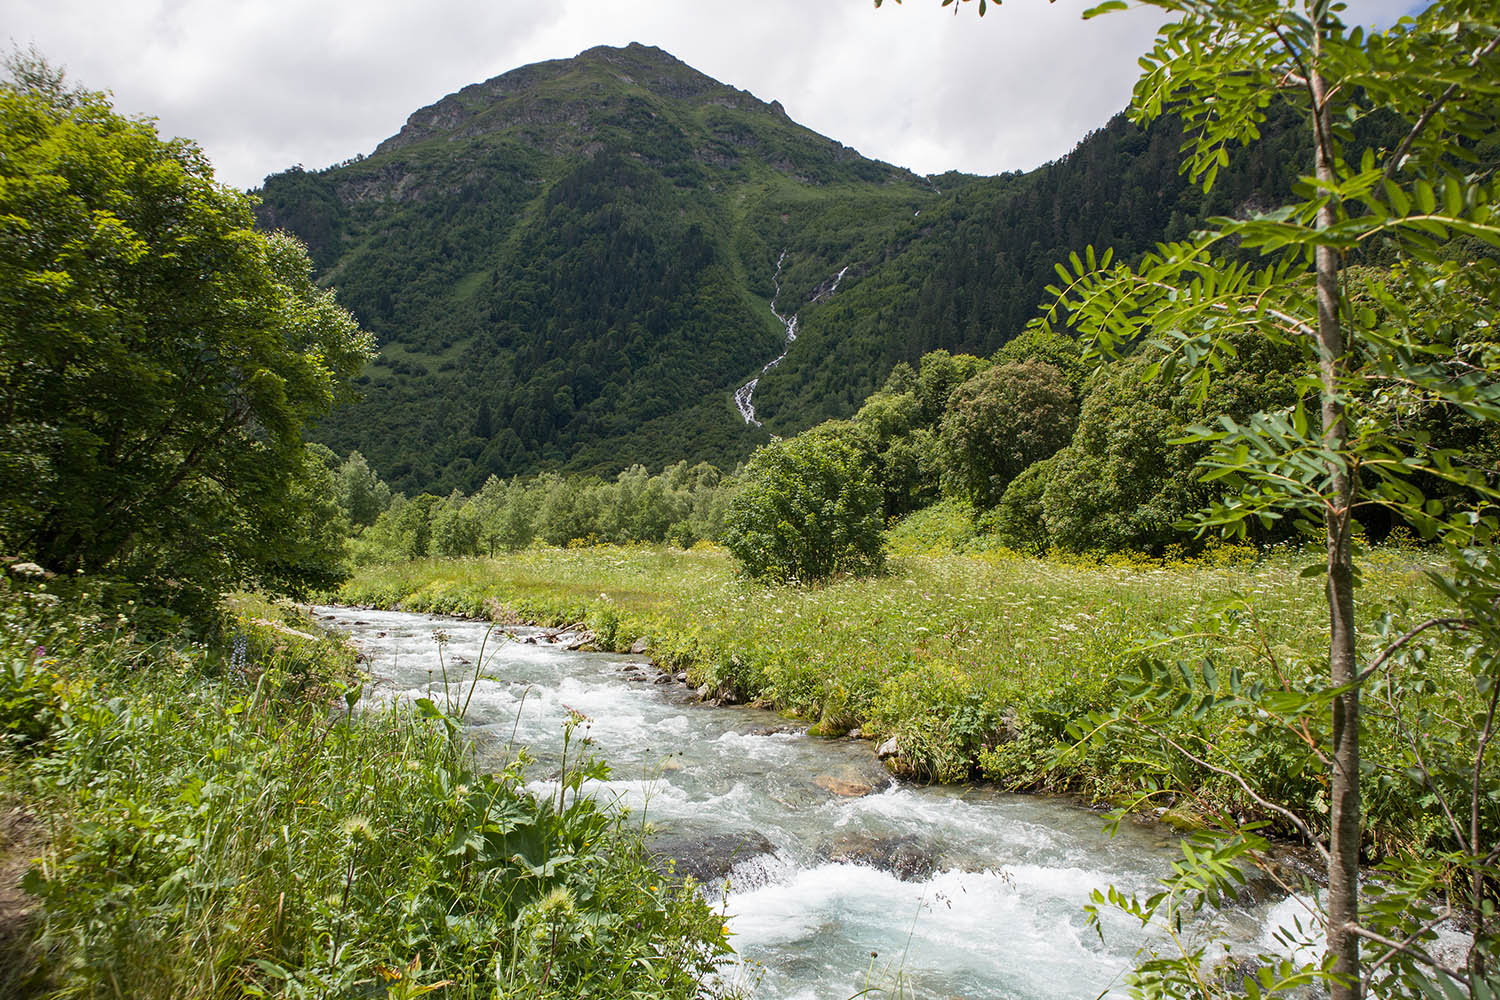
<point x="941" y="718"/>
<point x="807" y="508"/>
<point x="1020" y="521"/>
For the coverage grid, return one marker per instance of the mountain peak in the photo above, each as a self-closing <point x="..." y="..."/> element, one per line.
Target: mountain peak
<point x="554" y="92"/>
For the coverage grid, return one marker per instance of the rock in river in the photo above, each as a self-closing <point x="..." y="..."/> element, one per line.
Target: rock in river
<point x="843" y="786"/>
<point x="707" y="857"/>
<point x="902" y="856"/>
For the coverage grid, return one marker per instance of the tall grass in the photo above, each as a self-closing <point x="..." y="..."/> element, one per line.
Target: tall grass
<point x="221" y="824"/>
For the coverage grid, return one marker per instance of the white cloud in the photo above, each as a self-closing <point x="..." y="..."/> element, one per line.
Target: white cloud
<point x="267" y="84"/>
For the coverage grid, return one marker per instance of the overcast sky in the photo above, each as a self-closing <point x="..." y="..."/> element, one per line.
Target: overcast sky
<point x="265" y="84"/>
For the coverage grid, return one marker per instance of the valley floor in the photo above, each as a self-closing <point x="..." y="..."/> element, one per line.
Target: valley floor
<point x="978" y="666"/>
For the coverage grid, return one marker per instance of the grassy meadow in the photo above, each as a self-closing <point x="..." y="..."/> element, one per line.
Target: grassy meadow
<point x="976" y="663"/>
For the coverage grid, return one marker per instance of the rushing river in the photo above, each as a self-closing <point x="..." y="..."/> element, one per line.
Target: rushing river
<point x="939" y="892"/>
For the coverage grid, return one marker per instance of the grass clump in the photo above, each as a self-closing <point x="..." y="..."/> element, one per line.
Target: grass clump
<point x="218" y="823"/>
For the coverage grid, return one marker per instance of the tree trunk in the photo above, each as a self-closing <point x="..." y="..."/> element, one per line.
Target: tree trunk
<point x="1344" y="811"/>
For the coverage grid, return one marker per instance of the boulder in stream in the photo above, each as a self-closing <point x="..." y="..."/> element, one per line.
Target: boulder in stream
<point x="844" y="787"/>
<point x="902" y="856"/>
<point x="640" y="646"/>
<point x="707" y="857"/>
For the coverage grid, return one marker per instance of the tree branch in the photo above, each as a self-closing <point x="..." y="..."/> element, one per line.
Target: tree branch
<point x="1393" y="950"/>
<point x="1405" y="948"/>
<point x="1290" y="816"/>
<point x="1456" y="623"/>
<point x="1394" y="163"/>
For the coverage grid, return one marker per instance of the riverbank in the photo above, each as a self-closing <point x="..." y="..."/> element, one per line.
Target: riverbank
<point x="219" y="817"/>
<point x="976" y="666"/>
<point x="959" y="890"/>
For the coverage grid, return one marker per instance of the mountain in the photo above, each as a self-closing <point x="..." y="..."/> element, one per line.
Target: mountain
<point x="575" y="264"/>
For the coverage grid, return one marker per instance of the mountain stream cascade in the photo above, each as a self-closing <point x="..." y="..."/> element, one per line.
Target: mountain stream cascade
<point x="744" y="395"/>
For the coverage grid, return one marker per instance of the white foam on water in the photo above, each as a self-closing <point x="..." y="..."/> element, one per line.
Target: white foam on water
<point x="958" y="927"/>
<point x="672" y="725"/>
<point x="919" y="811"/>
<point x="765" y="745"/>
<point x="657" y="798"/>
<point x="1292" y="929"/>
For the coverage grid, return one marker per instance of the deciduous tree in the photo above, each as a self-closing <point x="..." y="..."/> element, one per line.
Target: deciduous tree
<point x="1426" y="210"/>
<point x="806" y="509"/>
<point x="159" y="357"/>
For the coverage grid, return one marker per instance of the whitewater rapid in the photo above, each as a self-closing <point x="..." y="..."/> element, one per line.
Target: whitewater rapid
<point x="939" y="891"/>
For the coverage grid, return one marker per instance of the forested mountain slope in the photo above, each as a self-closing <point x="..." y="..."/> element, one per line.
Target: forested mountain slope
<point x="572" y="265"/>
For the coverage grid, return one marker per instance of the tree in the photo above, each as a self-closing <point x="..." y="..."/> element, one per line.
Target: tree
<point x="1001" y="421"/>
<point x="1420" y="207"/>
<point x="1120" y="483"/>
<point x="938" y="374"/>
<point x="806" y="509"/>
<point x="1219" y="65"/>
<point x="1019" y="521"/>
<point x="904" y="454"/>
<point x="361" y="492"/>
<point x="455" y="528"/>
<point x="159" y="358"/>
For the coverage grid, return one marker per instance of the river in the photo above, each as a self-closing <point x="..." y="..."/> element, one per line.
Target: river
<point x="842" y="879"/>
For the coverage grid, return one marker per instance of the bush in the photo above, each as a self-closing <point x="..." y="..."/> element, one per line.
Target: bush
<point x="1020" y="521"/>
<point x="941" y="718"/>
<point x="807" y="508"/>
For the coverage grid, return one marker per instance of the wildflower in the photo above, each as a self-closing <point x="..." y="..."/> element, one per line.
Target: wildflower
<point x="27" y="569"/>
<point x="357" y="827"/>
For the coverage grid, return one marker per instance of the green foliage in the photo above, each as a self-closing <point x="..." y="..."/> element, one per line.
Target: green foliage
<point x="1001" y="421"/>
<point x="1121" y="483"/>
<point x="680" y="504"/>
<point x="1415" y="343"/>
<point x="360" y="492"/>
<point x="806" y="509"/>
<point x="939" y="717"/>
<point x="455" y="527"/>
<point x="159" y="359"/>
<point x="904" y="454"/>
<point x="1019" y="521"/>
<point x="946" y="527"/>
<point x="939" y="374"/>
<point x="1050" y="347"/>
<point x="972" y="271"/>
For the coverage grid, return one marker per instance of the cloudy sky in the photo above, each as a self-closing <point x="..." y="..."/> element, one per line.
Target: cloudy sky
<point x="264" y="84"/>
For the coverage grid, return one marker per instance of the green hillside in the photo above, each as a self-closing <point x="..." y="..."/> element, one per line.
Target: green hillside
<point x="572" y="265"/>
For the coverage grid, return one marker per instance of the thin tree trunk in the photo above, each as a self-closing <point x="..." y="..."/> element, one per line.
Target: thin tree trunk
<point x="1343" y="668"/>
